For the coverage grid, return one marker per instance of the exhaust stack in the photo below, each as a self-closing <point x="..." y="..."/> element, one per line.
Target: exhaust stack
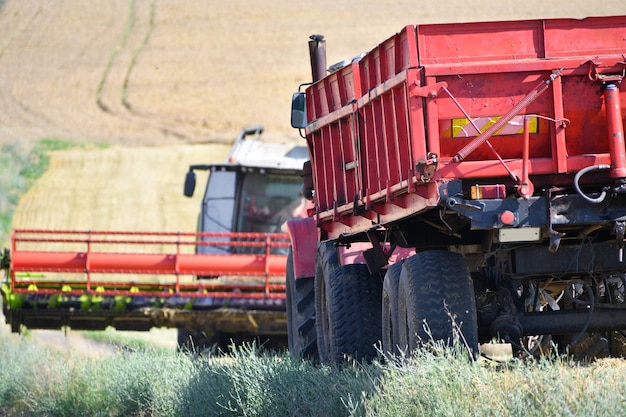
<point x="317" y="53"/>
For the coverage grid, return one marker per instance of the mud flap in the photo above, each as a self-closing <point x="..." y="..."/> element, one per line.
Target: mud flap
<point x="304" y="238"/>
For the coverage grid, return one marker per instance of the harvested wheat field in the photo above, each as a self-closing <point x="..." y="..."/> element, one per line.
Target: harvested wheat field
<point x="119" y="188"/>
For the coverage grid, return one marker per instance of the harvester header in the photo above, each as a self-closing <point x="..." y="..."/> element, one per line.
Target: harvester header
<point x="91" y="279"/>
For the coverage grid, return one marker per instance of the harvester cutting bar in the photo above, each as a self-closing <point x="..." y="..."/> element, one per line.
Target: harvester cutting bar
<point x="35" y="252"/>
<point x="109" y="289"/>
<point x="139" y="263"/>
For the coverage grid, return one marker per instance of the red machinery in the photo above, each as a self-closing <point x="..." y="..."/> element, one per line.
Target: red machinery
<point x="224" y="283"/>
<point x="68" y="278"/>
<point x="480" y="169"/>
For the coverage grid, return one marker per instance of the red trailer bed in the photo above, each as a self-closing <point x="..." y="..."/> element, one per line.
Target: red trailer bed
<point x="425" y="95"/>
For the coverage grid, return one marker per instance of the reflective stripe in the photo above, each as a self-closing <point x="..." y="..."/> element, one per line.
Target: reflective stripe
<point x="462" y="128"/>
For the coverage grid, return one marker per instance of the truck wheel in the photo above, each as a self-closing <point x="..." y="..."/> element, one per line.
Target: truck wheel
<point x="436" y="300"/>
<point x="390" y="308"/>
<point x="348" y="314"/>
<point x="326" y="261"/>
<point x="300" y="313"/>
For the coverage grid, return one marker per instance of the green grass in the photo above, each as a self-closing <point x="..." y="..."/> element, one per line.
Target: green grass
<point x="131" y="340"/>
<point x="23" y="162"/>
<point x="249" y="382"/>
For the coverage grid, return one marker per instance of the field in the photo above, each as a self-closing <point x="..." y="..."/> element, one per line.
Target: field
<point x="157" y="85"/>
<point x="132" y="92"/>
<point x="35" y="381"/>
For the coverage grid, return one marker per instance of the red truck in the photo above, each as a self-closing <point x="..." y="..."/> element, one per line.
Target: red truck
<point x="469" y="183"/>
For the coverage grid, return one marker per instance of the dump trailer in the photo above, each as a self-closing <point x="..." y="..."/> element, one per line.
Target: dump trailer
<point x="221" y="283"/>
<point x="469" y="185"/>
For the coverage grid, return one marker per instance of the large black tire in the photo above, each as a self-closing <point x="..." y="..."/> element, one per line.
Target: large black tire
<point x="436" y="302"/>
<point x="348" y="314"/>
<point x="326" y="261"/>
<point x="301" y="331"/>
<point x="390" y="309"/>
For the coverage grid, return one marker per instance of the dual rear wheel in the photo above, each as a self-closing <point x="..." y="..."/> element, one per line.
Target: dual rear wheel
<point x="423" y="299"/>
<point x="348" y="314"/>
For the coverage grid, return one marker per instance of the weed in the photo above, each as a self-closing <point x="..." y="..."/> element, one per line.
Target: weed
<point x="251" y="382"/>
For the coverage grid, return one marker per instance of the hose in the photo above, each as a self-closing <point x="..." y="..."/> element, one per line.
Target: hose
<point x="590" y="306"/>
<point x="579" y="174"/>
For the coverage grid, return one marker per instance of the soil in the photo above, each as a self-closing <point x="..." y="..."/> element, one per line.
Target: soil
<point x="147" y="72"/>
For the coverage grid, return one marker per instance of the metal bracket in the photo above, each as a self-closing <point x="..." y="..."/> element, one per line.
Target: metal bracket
<point x="620" y="228"/>
<point x="427" y="167"/>
<point x="377" y="257"/>
<point x="594" y="75"/>
<point x="428" y="91"/>
<point x="555" y="237"/>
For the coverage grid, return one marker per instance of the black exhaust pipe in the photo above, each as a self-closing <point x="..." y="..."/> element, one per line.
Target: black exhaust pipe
<point x="317" y="53"/>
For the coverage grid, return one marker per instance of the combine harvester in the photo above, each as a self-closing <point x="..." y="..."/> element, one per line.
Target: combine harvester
<point x="225" y="282"/>
<point x="469" y="182"/>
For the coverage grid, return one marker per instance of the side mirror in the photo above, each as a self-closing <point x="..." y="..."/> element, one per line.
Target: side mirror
<point x="190" y="183"/>
<point x="298" y="110"/>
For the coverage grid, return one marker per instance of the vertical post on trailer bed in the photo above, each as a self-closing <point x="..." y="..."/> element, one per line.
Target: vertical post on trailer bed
<point x="432" y="124"/>
<point x="559" y="147"/>
<point x="525" y="187"/>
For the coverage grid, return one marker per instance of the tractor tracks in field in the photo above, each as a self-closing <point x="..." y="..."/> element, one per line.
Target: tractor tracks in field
<point x="39" y="56"/>
<point x="112" y="91"/>
<point x="112" y="95"/>
<point x="71" y="71"/>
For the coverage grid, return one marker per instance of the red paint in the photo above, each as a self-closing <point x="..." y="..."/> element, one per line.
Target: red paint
<point x="615" y="130"/>
<point x="84" y="258"/>
<point x="373" y="121"/>
<point x="507" y="217"/>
